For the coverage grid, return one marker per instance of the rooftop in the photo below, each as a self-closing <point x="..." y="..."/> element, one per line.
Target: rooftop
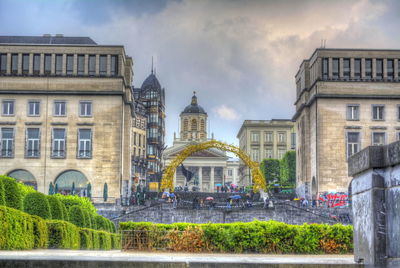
<point x="47" y="39"/>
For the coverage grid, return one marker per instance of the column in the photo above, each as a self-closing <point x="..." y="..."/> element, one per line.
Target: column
<point x="175" y="178"/>
<point x="30" y="64"/>
<point x="201" y="179"/>
<point x="351" y="68"/>
<point x="19" y="64"/>
<point x="373" y="68"/>
<point x="212" y="180"/>
<point x="363" y="68"/>
<point x="53" y="64"/>
<point x="396" y="69"/>
<point x="64" y="65"/>
<point x="385" y="68"/>
<point x="75" y="64"/>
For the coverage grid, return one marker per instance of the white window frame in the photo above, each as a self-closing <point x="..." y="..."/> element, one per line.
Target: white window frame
<point x="351" y="115"/>
<point x="30" y="145"/>
<point x="59" y="144"/>
<point x="378" y="132"/>
<point x="255" y="155"/>
<point x="84" y="112"/>
<point x="86" y="144"/>
<point x="57" y="111"/>
<point x="269" y="136"/>
<point x="36" y="107"/>
<point x="6" y="142"/>
<point x="282" y="137"/>
<point x="353" y="144"/>
<point x="255" y="136"/>
<point x="9" y="103"/>
<point x="269" y="155"/>
<point x="281" y="153"/>
<point x="383" y="112"/>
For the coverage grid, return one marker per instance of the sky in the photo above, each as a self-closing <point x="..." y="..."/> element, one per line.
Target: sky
<point x="239" y="56"/>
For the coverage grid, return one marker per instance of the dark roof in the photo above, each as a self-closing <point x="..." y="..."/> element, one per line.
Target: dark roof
<point x="151" y="82"/>
<point x="47" y="40"/>
<point x="194" y="108"/>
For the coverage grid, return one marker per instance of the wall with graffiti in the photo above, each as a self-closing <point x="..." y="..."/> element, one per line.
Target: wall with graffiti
<point x="333" y="200"/>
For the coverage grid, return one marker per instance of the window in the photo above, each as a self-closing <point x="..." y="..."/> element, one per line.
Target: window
<point x="7" y="142"/>
<point x="25" y="64"/>
<point x="34" y="108"/>
<point x="281" y="153"/>
<point x="84" y="143"/>
<point x="8" y="107"/>
<point x="47" y="64"/>
<point x="194" y="125"/>
<point x="269" y="136"/>
<point x="81" y="64"/>
<point x="255" y="155"/>
<point x="379" y="69"/>
<point x="368" y="68"/>
<point x="230" y="172"/>
<point x="58" y="149"/>
<point x="293" y="140"/>
<point x="353" y="143"/>
<point x="346" y="68"/>
<point x="92" y="65"/>
<point x="70" y="64"/>
<point x="202" y="124"/>
<point x="398" y="136"/>
<point x="14" y="63"/>
<point x="357" y="68"/>
<point x="378" y="138"/>
<point x="390" y="69"/>
<point x="103" y="65"/>
<point x="3" y="63"/>
<point x="134" y="138"/>
<point x="378" y="112"/>
<point x="185" y="124"/>
<point x="85" y="108"/>
<point x="353" y="112"/>
<point x="139" y="140"/>
<point x="282" y="137"/>
<point x="268" y="153"/>
<point x="59" y="64"/>
<point x="60" y="108"/>
<point x="325" y="68"/>
<point x="335" y="68"/>
<point x="32" y="142"/>
<point x="36" y="64"/>
<point x="255" y="137"/>
<point x="114" y="65"/>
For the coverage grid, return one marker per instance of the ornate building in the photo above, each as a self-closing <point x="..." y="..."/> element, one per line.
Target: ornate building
<point x="212" y="167"/>
<point x="152" y="96"/>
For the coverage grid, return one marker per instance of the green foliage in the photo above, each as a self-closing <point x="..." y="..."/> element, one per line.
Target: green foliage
<point x="51" y="188"/>
<point x="12" y="192"/>
<point x="86" y="236"/>
<point x="25" y="189"/>
<point x="96" y="240"/>
<point x="288" y="168"/>
<point x="102" y="223"/>
<point x="261" y="237"/>
<point x="40" y="232"/>
<point x="55" y="208"/>
<point x="87" y="219"/>
<point x="63" y="235"/>
<point x="270" y="169"/>
<point x="36" y="204"/>
<point x="73" y="200"/>
<point x="105" y="240"/>
<point x="116" y="241"/>
<point x="64" y="212"/>
<point x="76" y="216"/>
<point x="2" y="194"/>
<point x="105" y="192"/>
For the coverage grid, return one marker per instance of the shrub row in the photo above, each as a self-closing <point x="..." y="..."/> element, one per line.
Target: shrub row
<point x="77" y="210"/>
<point x="256" y="236"/>
<point x="19" y="230"/>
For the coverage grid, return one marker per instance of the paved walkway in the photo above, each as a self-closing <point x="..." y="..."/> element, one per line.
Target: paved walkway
<point x="167" y="257"/>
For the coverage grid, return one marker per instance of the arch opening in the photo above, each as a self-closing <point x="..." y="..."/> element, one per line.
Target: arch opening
<point x="24" y="176"/>
<point x="65" y="180"/>
<point x="168" y="176"/>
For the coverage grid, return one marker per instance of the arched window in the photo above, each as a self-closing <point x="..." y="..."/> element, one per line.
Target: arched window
<point x="24" y="176"/>
<point x="68" y="178"/>
<point x="202" y="125"/>
<point x="185" y="125"/>
<point x="194" y="125"/>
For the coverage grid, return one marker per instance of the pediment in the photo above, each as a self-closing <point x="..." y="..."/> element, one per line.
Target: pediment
<point x="208" y="153"/>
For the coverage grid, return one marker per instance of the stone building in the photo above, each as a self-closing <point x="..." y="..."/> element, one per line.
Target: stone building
<point x="212" y="168"/>
<point x="66" y="114"/>
<point x="347" y="99"/>
<point x="152" y="96"/>
<point x="263" y="139"/>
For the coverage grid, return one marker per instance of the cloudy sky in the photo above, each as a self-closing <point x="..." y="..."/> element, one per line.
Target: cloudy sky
<point x="240" y="56"/>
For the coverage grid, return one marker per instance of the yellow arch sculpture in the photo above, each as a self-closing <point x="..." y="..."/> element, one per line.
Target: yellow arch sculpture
<point x="168" y="176"/>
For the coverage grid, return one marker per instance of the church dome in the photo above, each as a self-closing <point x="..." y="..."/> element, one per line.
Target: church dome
<point x="194" y="108"/>
<point x="151" y="82"/>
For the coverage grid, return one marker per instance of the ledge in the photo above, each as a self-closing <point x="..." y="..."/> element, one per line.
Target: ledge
<point x="8" y="123"/>
<point x="33" y="123"/>
<point x="85" y="124"/>
<point x="59" y="123"/>
<point x="374" y="157"/>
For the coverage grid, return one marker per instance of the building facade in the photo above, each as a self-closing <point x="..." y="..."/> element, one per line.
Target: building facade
<point x="152" y="96"/>
<point x="347" y="99"/>
<point x="66" y="114"/>
<point x="263" y="139"/>
<point x="211" y="168"/>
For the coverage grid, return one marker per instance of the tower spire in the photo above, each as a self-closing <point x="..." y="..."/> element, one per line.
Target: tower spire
<point x="151" y="64"/>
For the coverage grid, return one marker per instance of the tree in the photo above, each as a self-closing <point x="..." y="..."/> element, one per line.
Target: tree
<point x="105" y="192"/>
<point x="89" y="191"/>
<point x="270" y="170"/>
<point x="51" y="188"/>
<point x="288" y="168"/>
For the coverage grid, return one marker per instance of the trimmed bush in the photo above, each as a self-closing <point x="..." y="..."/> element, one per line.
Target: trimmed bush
<point x="63" y="235"/>
<point x="93" y="220"/>
<point x="116" y="241"/>
<point x="73" y="200"/>
<point x="64" y="212"/>
<point x="86" y="216"/>
<point x="102" y="223"/>
<point x="16" y="229"/>
<point x="86" y="238"/>
<point x="40" y="231"/>
<point x="2" y="194"/>
<point x="105" y="240"/>
<point x="25" y="189"/>
<point x="36" y="204"/>
<point x="12" y="193"/>
<point x="96" y="240"/>
<point x="77" y="216"/>
<point x="55" y="208"/>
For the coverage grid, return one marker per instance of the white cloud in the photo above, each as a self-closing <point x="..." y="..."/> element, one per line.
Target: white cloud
<point x="226" y="113"/>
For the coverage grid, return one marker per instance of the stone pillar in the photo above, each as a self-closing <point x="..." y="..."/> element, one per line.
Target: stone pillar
<point x="201" y="179"/>
<point x="175" y="178"/>
<point x="375" y="198"/>
<point x="212" y="185"/>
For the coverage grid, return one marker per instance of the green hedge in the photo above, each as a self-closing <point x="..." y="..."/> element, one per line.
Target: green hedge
<point x="2" y="194"/>
<point x="105" y="240"/>
<point x="36" y="204"/>
<point x="74" y="200"/>
<point x="64" y="212"/>
<point x="76" y="216"/>
<point x="257" y="236"/>
<point x="87" y="219"/>
<point x="63" y="235"/>
<point x="40" y="232"/>
<point x="12" y="192"/>
<point x="57" y="212"/>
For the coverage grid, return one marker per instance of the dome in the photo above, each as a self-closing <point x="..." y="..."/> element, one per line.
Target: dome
<point x="194" y="108"/>
<point x="151" y="82"/>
